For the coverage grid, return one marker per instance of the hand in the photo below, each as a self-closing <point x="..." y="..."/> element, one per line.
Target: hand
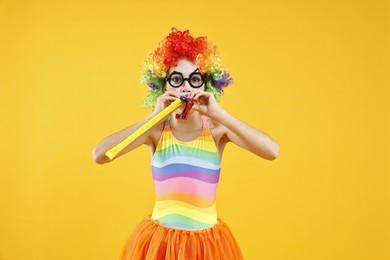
<point x="204" y="103"/>
<point x="164" y="101"/>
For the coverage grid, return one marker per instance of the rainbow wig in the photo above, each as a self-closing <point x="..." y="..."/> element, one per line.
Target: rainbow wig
<point x="180" y="44"/>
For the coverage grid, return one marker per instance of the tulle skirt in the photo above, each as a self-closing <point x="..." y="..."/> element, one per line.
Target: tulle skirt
<point x="151" y="240"/>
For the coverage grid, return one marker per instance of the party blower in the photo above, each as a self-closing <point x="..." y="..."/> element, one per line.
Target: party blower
<point x="145" y="127"/>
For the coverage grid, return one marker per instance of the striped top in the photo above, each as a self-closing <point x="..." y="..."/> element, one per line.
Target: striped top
<point x="186" y="176"/>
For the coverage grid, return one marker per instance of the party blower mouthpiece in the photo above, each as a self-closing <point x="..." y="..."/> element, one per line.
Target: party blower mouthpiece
<point x="189" y="103"/>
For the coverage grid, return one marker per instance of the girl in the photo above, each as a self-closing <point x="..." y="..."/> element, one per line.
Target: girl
<point x="186" y="152"/>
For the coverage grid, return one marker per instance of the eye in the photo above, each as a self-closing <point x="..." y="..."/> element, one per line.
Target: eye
<point x="196" y="79"/>
<point x="176" y="79"/>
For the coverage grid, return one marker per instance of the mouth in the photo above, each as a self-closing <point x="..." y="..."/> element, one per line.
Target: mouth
<point x="186" y="95"/>
<point x="186" y="110"/>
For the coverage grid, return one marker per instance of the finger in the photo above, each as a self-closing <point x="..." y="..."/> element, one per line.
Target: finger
<point x="194" y="93"/>
<point x="171" y="93"/>
<point x="168" y="100"/>
<point x="200" y="94"/>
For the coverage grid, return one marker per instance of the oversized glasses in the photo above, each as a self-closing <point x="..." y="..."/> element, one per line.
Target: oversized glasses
<point x="176" y="79"/>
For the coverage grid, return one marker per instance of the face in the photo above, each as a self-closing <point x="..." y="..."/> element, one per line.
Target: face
<point x="185" y="78"/>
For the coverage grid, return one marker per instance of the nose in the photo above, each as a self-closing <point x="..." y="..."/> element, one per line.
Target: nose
<point x="186" y="86"/>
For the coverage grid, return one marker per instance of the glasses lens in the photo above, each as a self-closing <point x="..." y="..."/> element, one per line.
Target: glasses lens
<point x="176" y="80"/>
<point x="196" y="80"/>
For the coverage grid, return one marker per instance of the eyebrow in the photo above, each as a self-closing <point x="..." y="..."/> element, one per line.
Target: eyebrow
<point x="182" y="73"/>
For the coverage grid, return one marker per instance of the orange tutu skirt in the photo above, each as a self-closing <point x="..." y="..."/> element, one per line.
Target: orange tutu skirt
<point x="151" y="240"/>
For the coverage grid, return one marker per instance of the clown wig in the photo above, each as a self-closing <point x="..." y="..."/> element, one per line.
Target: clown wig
<point x="180" y="44"/>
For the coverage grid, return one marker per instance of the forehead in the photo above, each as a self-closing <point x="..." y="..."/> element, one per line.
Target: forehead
<point x="184" y="66"/>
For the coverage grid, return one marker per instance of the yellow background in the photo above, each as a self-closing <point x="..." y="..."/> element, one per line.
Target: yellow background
<point x="312" y="74"/>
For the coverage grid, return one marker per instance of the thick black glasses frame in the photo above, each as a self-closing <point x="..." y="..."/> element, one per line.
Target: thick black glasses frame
<point x="184" y="79"/>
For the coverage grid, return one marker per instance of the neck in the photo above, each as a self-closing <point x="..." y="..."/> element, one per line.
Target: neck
<point x="193" y="121"/>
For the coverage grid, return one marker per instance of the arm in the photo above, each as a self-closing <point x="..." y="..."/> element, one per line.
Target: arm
<point x="247" y="136"/>
<point x="237" y="131"/>
<point x="99" y="153"/>
<point x="111" y="141"/>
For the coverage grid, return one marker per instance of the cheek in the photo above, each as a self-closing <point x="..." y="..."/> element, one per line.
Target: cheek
<point x="202" y="88"/>
<point x="169" y="88"/>
<point x="172" y="89"/>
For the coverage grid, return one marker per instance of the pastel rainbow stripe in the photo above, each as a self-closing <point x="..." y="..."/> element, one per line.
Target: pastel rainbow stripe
<point x="186" y="176"/>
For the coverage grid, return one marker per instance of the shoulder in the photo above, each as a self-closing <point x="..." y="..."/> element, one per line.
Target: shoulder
<point x="218" y="131"/>
<point x="154" y="136"/>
